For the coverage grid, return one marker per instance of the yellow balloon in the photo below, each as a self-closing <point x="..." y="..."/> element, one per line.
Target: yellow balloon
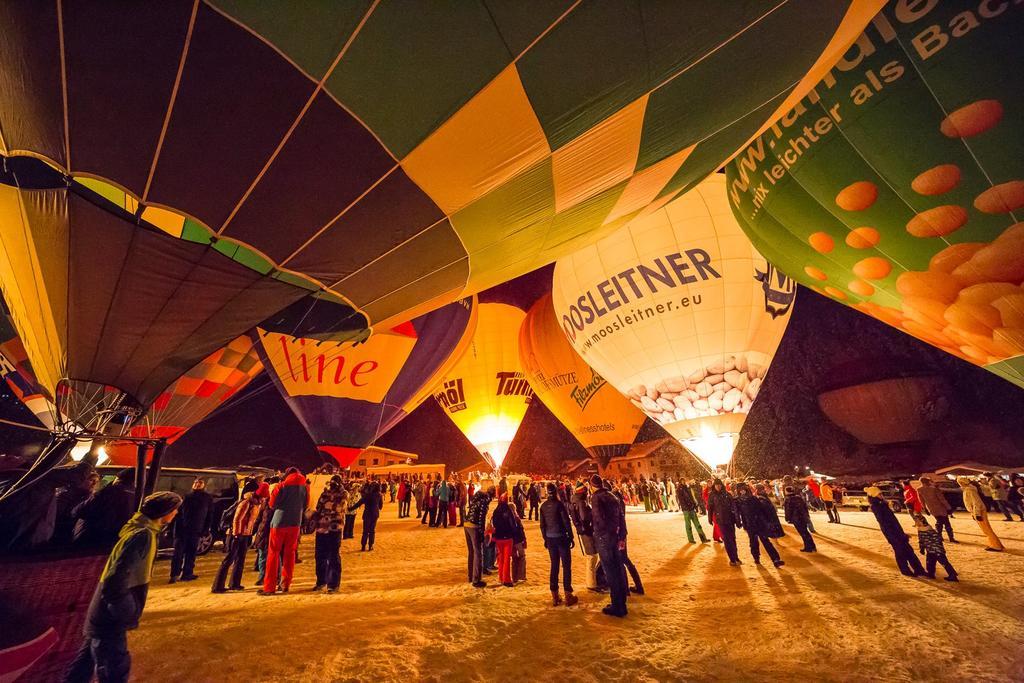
<point x="600" y="418"/>
<point x="680" y="313"/>
<point x="486" y="394"/>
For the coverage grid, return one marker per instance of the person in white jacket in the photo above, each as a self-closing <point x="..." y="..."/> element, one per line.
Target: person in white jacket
<point x="976" y="507"/>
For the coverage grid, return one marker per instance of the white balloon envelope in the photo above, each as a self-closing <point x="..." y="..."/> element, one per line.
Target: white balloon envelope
<point x="680" y="313"/>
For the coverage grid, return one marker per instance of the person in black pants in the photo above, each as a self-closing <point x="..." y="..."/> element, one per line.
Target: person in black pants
<point x="533" y="496"/>
<point x="722" y="509"/>
<point x="609" y="537"/>
<point x="751" y="518"/>
<point x="906" y="559"/>
<point x="638" y="586"/>
<point x="243" y="525"/>
<point x="797" y="514"/>
<point x="193" y="523"/>
<point x="556" y="530"/>
<point x="372" y="503"/>
<point x="929" y="542"/>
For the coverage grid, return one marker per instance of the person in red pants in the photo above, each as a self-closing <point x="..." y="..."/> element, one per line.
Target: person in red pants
<point x="504" y="534"/>
<point x="288" y="502"/>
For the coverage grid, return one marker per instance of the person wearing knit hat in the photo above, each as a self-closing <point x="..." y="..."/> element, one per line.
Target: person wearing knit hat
<point x="243" y="526"/>
<point x="120" y="595"/>
<point x="929" y="542"/>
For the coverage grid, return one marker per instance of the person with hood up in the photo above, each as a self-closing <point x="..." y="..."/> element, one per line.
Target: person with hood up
<point x="288" y="502"/>
<point x="101" y="517"/>
<point x="556" y="530"/>
<point x="330" y="520"/>
<point x="977" y="509"/>
<point x="750" y="517"/>
<point x="610" y="539"/>
<point x="372" y="502"/>
<point x="475" y="523"/>
<point x="930" y="544"/>
<point x="243" y="526"/>
<point x="936" y="504"/>
<point x="191" y="524"/>
<point x="120" y="596"/>
<point x="688" y="505"/>
<point x="797" y="514"/>
<point x="583" y="519"/>
<point x="722" y="513"/>
<point x="906" y="559"/>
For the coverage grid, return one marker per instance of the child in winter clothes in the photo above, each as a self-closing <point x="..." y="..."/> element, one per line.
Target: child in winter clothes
<point x="930" y="544"/>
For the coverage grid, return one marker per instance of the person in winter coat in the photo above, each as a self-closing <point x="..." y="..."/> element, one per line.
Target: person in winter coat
<point x="533" y="497"/>
<point x="192" y="523"/>
<point x="475" y="524"/>
<point x="688" y="505"/>
<point x="120" y="596"/>
<point x="698" y="495"/>
<point x="330" y="520"/>
<point x="937" y="506"/>
<point x="243" y="525"/>
<point x="261" y="535"/>
<point x="583" y="519"/>
<point x="1015" y="496"/>
<point x="288" y="503"/>
<point x="976" y="508"/>
<point x="401" y="498"/>
<point x="556" y="530"/>
<point x="444" y="492"/>
<point x="722" y="512"/>
<point x="417" y="494"/>
<point x="503" y="522"/>
<point x="929" y="542"/>
<point x="610" y="538"/>
<point x="911" y="499"/>
<point x="797" y="514"/>
<point x="828" y="498"/>
<point x="77" y="491"/>
<point x="771" y="515"/>
<point x="1001" y="496"/>
<point x="750" y="517"/>
<point x="372" y="502"/>
<point x="101" y="517"/>
<point x="906" y="560"/>
<point x="350" y="513"/>
<point x="638" y="586"/>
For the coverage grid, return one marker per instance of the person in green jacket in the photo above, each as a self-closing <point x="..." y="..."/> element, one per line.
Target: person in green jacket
<point x="120" y="595"/>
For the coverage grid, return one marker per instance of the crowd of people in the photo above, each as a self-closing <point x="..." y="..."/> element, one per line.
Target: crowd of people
<point x="272" y="512"/>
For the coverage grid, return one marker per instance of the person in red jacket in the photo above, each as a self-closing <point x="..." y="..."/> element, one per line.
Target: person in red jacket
<point x="911" y="498"/>
<point x="288" y="502"/>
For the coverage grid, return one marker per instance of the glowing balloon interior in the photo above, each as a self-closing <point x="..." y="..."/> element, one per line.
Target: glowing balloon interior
<point x="486" y="395"/>
<point x="680" y="313"/>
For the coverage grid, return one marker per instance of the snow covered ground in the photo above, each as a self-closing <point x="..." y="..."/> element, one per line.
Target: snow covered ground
<point x="405" y="613"/>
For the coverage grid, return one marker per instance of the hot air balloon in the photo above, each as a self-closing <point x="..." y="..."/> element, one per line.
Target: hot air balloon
<point x="16" y="371"/>
<point x="192" y="397"/>
<point x="680" y="313"/>
<point x="347" y="392"/>
<point x="486" y="394"/>
<point x="349" y="146"/>
<point x="897" y="186"/>
<point x="601" y="419"/>
<point x="110" y="309"/>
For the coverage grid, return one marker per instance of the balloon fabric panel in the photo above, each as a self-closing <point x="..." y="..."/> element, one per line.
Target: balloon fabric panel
<point x="245" y="118"/>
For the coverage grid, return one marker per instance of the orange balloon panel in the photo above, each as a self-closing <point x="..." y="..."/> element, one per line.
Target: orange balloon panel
<point x="601" y="419"/>
<point x="486" y="394"/>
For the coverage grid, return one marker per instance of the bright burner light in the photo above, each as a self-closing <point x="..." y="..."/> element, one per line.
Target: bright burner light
<point x="714" y="449"/>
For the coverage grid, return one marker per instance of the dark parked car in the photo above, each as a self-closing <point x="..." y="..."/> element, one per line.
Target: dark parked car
<point x="221" y="484"/>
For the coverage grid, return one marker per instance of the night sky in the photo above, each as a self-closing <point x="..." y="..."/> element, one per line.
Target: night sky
<point x="826" y="345"/>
